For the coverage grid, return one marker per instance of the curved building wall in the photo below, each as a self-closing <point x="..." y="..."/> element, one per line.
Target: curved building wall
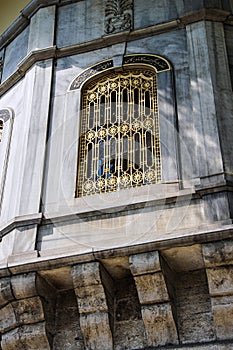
<point x="137" y="249"/>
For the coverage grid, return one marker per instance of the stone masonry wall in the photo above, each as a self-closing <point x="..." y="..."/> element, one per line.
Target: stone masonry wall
<point x="159" y="299"/>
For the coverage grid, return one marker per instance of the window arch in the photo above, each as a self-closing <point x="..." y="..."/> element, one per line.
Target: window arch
<point x="119" y="138"/>
<point x="6" y="125"/>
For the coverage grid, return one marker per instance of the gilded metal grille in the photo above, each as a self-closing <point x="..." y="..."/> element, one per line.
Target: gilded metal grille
<point x="119" y="141"/>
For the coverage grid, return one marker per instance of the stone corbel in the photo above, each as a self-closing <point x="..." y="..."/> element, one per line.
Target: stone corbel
<point x="218" y="257"/>
<point x="154" y="299"/>
<point x="93" y="308"/>
<point x="22" y="322"/>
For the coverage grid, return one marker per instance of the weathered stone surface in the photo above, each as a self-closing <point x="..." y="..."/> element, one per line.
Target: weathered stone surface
<point x="24" y="286"/>
<point x="218" y="253"/>
<point x="86" y="274"/>
<point x="223" y="316"/>
<point x="91" y="299"/>
<point x="151" y="288"/>
<point x="7" y="318"/>
<point x="21" y="312"/>
<point x="28" y="310"/>
<point x="193" y="307"/>
<point x="31" y="337"/>
<point x="130" y="335"/>
<point x="5" y="291"/>
<point x="144" y="263"/>
<point x="67" y="333"/>
<point x="220" y="281"/>
<point x="129" y="329"/>
<point x="159" y="324"/>
<point x="96" y="331"/>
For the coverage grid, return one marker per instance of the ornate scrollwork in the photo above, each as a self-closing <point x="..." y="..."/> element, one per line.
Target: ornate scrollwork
<point x="118" y="16"/>
<point x="100" y="67"/>
<point x="119" y="143"/>
<point x="159" y="63"/>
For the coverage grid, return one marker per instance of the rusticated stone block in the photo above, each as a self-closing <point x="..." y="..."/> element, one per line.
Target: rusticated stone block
<point x="28" y="310"/>
<point x="30" y="337"/>
<point x="218" y="253"/>
<point x="144" y="263"/>
<point x="223" y="317"/>
<point x="91" y="299"/>
<point x="86" y="274"/>
<point x="7" y="318"/>
<point x="151" y="288"/>
<point x="159" y="324"/>
<point x="5" y="291"/>
<point x="24" y="286"/>
<point x="94" y="313"/>
<point x="21" y="312"/>
<point x="220" y="281"/>
<point x="130" y="335"/>
<point x="96" y="335"/>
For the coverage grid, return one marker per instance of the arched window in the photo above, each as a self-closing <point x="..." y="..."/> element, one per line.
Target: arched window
<point x="119" y="139"/>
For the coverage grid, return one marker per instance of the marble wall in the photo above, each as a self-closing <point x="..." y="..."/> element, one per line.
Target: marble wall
<point x="196" y="126"/>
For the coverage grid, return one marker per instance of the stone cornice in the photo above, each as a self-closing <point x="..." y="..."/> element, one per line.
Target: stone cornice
<point x="92" y="208"/>
<point x="55" y="258"/>
<point x="20" y="221"/>
<point x="210" y="14"/>
<point x="109" y="40"/>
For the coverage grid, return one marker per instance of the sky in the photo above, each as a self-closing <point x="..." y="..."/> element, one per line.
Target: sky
<point x="9" y="11"/>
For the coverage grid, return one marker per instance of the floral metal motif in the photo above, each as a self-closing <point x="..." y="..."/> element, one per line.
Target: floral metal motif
<point x="100" y="184"/>
<point x="112" y="181"/>
<point x="88" y="186"/>
<point x="119" y="143"/>
<point x="137" y="177"/>
<point x="118" y="16"/>
<point x="150" y="175"/>
<point x="148" y="123"/>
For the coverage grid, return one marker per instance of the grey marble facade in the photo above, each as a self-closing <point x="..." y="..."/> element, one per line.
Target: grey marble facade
<point x="125" y="261"/>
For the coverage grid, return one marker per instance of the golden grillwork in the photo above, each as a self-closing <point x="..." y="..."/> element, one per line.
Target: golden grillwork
<point x="119" y="140"/>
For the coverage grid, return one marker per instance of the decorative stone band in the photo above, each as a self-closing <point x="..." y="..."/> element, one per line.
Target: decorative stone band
<point x="88" y="73"/>
<point x="160" y="64"/>
<point x="54" y="52"/>
<point x="118" y="16"/>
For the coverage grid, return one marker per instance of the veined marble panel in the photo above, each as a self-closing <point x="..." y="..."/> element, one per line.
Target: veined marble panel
<point x="228" y="30"/>
<point x="172" y="46"/>
<point x="80" y="22"/>
<point x="123" y="228"/>
<point x="203" y="102"/>
<point x="41" y="34"/>
<point x="30" y="101"/>
<point x="14" y="99"/>
<point x="15" y="52"/>
<point x="69" y="67"/>
<point x="160" y="11"/>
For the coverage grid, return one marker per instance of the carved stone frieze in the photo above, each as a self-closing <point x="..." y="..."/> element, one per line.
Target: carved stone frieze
<point x="100" y="67"/>
<point x="159" y="63"/>
<point x="118" y="16"/>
